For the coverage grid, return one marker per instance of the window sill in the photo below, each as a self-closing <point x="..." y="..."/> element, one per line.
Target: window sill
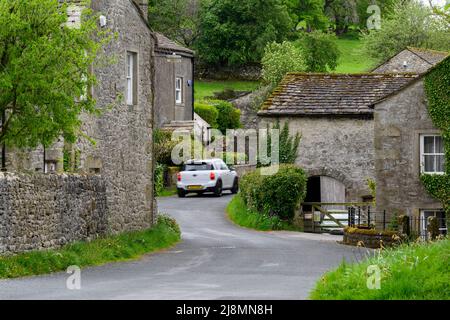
<point x="434" y="173"/>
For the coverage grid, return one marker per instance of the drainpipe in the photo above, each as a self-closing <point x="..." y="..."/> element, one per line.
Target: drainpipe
<point x="193" y="86"/>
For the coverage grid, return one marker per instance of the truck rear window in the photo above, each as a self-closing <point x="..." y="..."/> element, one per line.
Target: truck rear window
<point x="198" y="167"/>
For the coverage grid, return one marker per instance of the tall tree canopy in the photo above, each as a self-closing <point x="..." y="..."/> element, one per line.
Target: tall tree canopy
<point x="177" y="19"/>
<point x="308" y="14"/>
<point x="236" y="32"/>
<point x="410" y="24"/>
<point x="44" y="67"/>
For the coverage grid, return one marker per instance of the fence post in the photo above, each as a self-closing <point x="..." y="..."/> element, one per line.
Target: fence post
<point x="384" y="220"/>
<point x="368" y="216"/>
<point x="359" y="216"/>
<point x="404" y="224"/>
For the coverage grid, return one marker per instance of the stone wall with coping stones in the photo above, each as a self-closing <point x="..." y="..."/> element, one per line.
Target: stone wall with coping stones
<point x="373" y="241"/>
<point x="48" y="211"/>
<point x="337" y="147"/>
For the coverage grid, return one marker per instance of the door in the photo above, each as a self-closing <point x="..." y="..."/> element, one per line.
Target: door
<point x="332" y="190"/>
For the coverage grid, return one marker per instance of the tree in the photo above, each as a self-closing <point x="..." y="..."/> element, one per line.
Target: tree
<point x="310" y="13"/>
<point x="177" y="19"/>
<point x="235" y="33"/>
<point x="410" y="24"/>
<point x="44" y="66"/>
<point x="279" y="59"/>
<point x="320" y="51"/>
<point x="342" y="13"/>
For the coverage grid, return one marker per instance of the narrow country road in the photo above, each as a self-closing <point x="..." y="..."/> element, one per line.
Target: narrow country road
<point x="215" y="260"/>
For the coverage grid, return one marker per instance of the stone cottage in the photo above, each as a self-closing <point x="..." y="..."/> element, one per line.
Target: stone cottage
<point x="407" y="144"/>
<point x="112" y="190"/>
<point x="174" y="82"/>
<point x="333" y="114"/>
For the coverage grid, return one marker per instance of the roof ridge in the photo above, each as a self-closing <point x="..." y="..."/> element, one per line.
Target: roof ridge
<point x="428" y="50"/>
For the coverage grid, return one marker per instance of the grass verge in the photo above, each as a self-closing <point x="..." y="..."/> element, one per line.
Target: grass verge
<point x="419" y="271"/>
<point x="204" y="89"/>
<point x="168" y="192"/>
<point x="121" y="247"/>
<point x="242" y="216"/>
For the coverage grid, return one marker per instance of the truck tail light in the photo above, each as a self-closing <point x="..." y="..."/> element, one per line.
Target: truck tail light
<point x="179" y="176"/>
<point x="212" y="176"/>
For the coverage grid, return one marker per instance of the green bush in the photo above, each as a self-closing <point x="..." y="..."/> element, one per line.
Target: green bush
<point x="159" y="178"/>
<point x="283" y="191"/>
<point x="279" y="59"/>
<point x="229" y="116"/>
<point x="208" y="113"/>
<point x="250" y="190"/>
<point x="163" y="146"/>
<point x="276" y="195"/>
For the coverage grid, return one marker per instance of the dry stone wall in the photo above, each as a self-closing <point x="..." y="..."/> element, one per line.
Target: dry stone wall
<point x="48" y="211"/>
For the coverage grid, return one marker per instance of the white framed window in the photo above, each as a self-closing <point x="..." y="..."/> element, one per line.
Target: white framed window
<point x="432" y="154"/>
<point x="178" y="90"/>
<point x="131" y="78"/>
<point x="439" y="214"/>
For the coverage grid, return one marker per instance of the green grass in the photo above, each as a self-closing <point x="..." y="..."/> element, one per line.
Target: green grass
<point x="97" y="252"/>
<point x="410" y="272"/>
<point x="168" y="192"/>
<point x="353" y="59"/>
<point x="204" y="89"/>
<point x="239" y="214"/>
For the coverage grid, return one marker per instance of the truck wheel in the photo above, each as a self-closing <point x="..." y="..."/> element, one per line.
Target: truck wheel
<point x="235" y="188"/>
<point x="181" y="193"/>
<point x="218" y="189"/>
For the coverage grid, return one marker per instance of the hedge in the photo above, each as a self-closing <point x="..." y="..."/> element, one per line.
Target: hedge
<point x="278" y="195"/>
<point x="208" y="113"/>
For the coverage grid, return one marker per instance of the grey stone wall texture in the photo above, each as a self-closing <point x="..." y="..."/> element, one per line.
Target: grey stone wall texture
<point x="399" y="122"/>
<point x="121" y="155"/>
<point x="47" y="211"/>
<point x="337" y="147"/>
<point x="166" y="109"/>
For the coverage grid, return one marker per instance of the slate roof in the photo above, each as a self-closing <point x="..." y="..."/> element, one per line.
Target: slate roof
<point x="165" y="45"/>
<point x="332" y="94"/>
<point x="433" y="57"/>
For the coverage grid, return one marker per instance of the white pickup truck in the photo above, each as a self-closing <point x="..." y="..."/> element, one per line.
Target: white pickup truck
<point x="212" y="175"/>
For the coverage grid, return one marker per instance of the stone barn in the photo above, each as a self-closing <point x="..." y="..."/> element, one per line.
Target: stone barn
<point x="411" y="59"/>
<point x="333" y="114"/>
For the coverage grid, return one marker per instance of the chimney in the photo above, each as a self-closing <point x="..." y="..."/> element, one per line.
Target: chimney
<point x="143" y="4"/>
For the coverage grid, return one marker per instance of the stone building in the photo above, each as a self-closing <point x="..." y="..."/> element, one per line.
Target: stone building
<point x="113" y="179"/>
<point x="365" y="126"/>
<point x="333" y="114"/>
<point x="411" y="59"/>
<point x="407" y="144"/>
<point x="174" y="82"/>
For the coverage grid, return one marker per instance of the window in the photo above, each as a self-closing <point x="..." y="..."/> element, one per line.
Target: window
<point x="439" y="214"/>
<point x="178" y="90"/>
<point x="432" y="154"/>
<point x="50" y="166"/>
<point x="131" y="78"/>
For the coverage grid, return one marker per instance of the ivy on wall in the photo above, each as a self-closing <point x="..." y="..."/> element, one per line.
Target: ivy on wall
<point x="437" y="88"/>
